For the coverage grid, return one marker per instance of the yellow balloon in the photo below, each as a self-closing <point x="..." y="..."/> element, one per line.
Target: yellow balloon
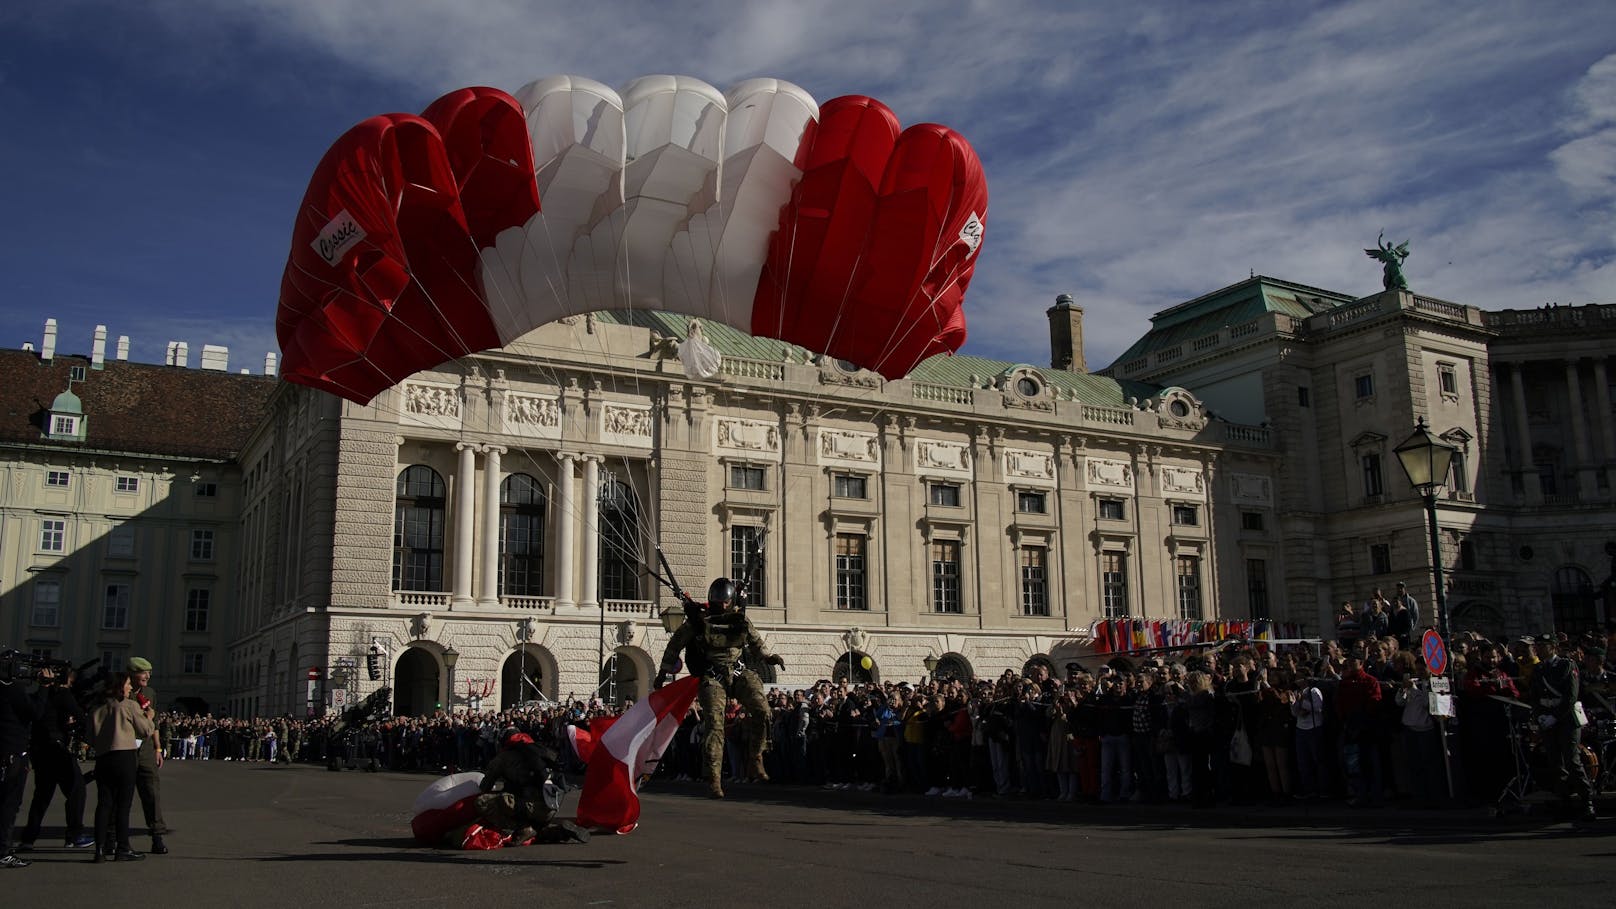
<point x="866" y="662"/>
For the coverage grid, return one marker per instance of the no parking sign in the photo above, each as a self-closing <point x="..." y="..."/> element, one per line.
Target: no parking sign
<point x="1436" y="652"/>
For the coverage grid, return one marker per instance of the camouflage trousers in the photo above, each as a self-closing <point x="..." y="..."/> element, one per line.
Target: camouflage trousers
<point x="507" y="812"/>
<point x="714" y="696"/>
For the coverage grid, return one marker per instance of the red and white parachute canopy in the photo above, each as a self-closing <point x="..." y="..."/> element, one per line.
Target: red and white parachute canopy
<point x="426" y="238"/>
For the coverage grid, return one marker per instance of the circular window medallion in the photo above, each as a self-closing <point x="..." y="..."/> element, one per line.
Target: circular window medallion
<point x="1028" y="387"/>
<point x="1179" y="409"/>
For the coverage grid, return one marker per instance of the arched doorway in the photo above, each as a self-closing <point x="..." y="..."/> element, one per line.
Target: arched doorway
<point x="1481" y="618"/>
<point x="417" y="683"/>
<point x="953" y="667"/>
<point x="525" y="677"/>
<point x="1039" y="667"/>
<point x="633" y="673"/>
<point x="1573" y="601"/>
<point x="861" y="675"/>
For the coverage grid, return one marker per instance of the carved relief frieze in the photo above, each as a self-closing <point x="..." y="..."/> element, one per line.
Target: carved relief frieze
<point x="1107" y="473"/>
<point x="1030" y="466"/>
<point x="753" y="438"/>
<point x="426" y="404"/>
<point x="935" y="456"/>
<point x="842" y="446"/>
<point x="532" y="415"/>
<point x="626" y="424"/>
<point x="1183" y="481"/>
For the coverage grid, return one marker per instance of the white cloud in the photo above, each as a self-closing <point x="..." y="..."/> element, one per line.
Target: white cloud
<point x="1137" y="155"/>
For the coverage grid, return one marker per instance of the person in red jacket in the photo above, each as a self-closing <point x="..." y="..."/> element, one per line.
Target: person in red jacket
<point x="1357" y="703"/>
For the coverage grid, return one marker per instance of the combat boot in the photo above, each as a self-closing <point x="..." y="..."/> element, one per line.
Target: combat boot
<point x="715" y="788"/>
<point x="758" y="774"/>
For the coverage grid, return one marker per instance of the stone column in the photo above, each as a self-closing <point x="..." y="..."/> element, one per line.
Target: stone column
<point x="1579" y="431"/>
<point x="588" y="597"/>
<point x="566" y="525"/>
<point x="488" y="596"/>
<point x="1607" y="433"/>
<point x="465" y="502"/>
<point x="1530" y="481"/>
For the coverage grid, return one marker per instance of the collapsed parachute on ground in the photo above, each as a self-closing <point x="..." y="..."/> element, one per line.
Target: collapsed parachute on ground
<point x="426" y="238"/>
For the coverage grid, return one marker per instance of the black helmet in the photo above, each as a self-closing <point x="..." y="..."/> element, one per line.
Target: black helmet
<point x="721" y="590"/>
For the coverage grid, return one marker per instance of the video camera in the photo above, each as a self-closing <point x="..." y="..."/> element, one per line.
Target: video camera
<point x="16" y="666"/>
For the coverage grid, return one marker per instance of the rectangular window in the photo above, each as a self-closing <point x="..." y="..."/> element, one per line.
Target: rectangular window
<point x="1447" y="380"/>
<point x="945" y="575"/>
<point x="1546" y="479"/>
<point x="57" y="478"/>
<point x="197" y="602"/>
<point x="1303" y="397"/>
<point x="1114" y="584"/>
<point x="1189" y="587"/>
<point x="112" y="660"/>
<point x="1113" y="510"/>
<point x="850" y="584"/>
<point x="1461" y="471"/>
<point x="1186" y="515"/>
<point x="1032" y="502"/>
<point x="121" y="542"/>
<point x="1380" y="558"/>
<point x="126" y="484"/>
<point x="1371" y="475"/>
<point x="1467" y="555"/>
<point x="75" y="374"/>
<point x="1364" y="386"/>
<point x="1034" y="580"/>
<point x="192" y="663"/>
<point x="207" y="491"/>
<point x="1251" y="520"/>
<point x="849" y="486"/>
<point x="746" y="561"/>
<point x="201" y="545"/>
<point x="945" y="494"/>
<point x="1257" y="587"/>
<point x="64" y="426"/>
<point x="745" y="476"/>
<point x="115" y="607"/>
<point x="47" y="603"/>
<point x="52" y="535"/>
<point x="42" y="653"/>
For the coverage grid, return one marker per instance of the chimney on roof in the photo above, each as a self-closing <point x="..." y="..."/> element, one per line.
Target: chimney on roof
<point x="98" y="348"/>
<point x="28" y="346"/>
<point x="1066" y="335"/>
<point x="47" y="348"/>
<point x="270" y="364"/>
<point x="179" y="354"/>
<point x="215" y="358"/>
<point x="123" y="347"/>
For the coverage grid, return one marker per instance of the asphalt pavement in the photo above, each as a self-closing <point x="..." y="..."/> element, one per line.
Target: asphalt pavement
<point x="256" y="835"/>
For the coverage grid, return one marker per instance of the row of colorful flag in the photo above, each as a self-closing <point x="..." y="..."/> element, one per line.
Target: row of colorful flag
<point x="1127" y="634"/>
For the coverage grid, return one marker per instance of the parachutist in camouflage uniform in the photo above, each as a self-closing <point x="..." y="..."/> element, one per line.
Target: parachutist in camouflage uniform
<point x="716" y="639"/>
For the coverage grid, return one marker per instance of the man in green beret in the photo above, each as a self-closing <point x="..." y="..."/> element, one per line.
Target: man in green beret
<point x="150" y="759"/>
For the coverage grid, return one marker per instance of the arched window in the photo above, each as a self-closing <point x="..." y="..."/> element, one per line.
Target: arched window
<point x="418" y="530"/>
<point x="1573" y="599"/>
<point x="521" y="536"/>
<point x="619" y="541"/>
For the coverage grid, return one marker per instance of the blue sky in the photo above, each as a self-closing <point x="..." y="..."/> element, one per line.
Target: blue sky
<point x="1138" y="154"/>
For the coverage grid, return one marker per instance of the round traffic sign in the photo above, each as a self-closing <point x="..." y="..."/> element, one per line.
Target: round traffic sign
<point x="1436" y="652"/>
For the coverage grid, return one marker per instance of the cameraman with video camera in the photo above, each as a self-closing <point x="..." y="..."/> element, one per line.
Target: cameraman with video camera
<point x="18" y="711"/>
<point x="55" y="766"/>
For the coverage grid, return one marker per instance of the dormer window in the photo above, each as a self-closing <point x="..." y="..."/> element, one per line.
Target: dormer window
<point x="1028" y="387"/>
<point x="64" y="426"/>
<point x="65" y="420"/>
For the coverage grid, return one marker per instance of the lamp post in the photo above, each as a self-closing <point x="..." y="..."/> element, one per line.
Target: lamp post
<point x="1426" y="460"/>
<point x="930" y="663"/>
<point x="451" y="656"/>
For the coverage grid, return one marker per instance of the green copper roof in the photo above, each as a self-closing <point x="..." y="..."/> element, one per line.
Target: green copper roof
<point x="1233" y="305"/>
<point x="957" y="370"/>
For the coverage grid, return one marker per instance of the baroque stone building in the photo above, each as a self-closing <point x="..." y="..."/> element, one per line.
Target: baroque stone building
<point x="488" y="532"/>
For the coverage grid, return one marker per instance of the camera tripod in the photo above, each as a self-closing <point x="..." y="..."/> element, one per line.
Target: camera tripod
<point x="1513" y="797"/>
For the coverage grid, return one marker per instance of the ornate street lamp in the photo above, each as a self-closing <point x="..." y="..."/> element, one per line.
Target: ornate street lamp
<point x="1426" y="460"/>
<point x="931" y="663"/>
<point x="672" y="618"/>
<point x="451" y="656"/>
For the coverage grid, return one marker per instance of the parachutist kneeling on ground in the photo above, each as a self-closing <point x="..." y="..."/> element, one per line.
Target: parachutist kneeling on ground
<point x="518" y="795"/>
